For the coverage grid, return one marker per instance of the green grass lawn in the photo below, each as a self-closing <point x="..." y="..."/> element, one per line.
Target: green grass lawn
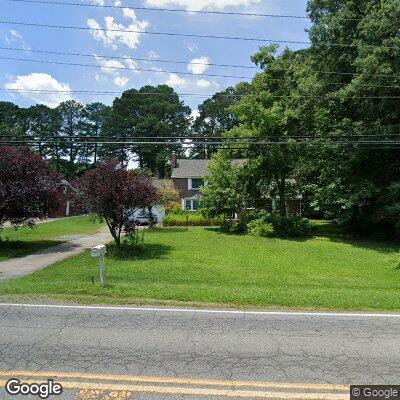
<point x="17" y="243"/>
<point x="203" y="266"/>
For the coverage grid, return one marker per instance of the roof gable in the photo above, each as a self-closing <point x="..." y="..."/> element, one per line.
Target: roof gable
<point x="195" y="168"/>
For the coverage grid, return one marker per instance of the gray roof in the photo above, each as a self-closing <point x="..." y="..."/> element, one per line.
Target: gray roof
<point x="196" y="168"/>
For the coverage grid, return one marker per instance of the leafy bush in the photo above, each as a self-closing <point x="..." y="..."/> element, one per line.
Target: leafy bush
<point x="190" y="218"/>
<point x="290" y="226"/>
<point x="261" y="223"/>
<point x="236" y="227"/>
<point x="393" y="262"/>
<point x="133" y="236"/>
<point x="260" y="228"/>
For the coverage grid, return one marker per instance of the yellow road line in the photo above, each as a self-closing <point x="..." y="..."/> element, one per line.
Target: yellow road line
<point x="173" y="380"/>
<point x="164" y="390"/>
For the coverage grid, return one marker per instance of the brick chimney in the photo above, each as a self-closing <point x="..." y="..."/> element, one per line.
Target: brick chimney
<point x="174" y="161"/>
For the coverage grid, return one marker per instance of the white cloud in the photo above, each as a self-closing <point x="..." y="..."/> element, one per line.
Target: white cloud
<point x="131" y="64"/>
<point x="195" y="114"/>
<point x="114" y="67"/>
<point x="98" y="2"/>
<point x="110" y="67"/>
<point x="14" y="37"/>
<point x="15" y="34"/>
<point x="115" y="34"/>
<point x="100" y="78"/>
<point x="202" y="83"/>
<point x="175" y="80"/>
<point x="121" y="81"/>
<point x="41" y="81"/>
<point x="157" y="70"/>
<point x="152" y="55"/>
<point x="195" y="5"/>
<point x="118" y="3"/>
<point x="199" y="65"/>
<point x="192" y="47"/>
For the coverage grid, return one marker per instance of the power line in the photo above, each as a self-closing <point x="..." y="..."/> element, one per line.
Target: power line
<point x="248" y="39"/>
<point x="202" y="142"/>
<point x="151" y="32"/>
<point x="109" y="56"/>
<point x="249" y="139"/>
<point x="174" y="10"/>
<point x="185" y="62"/>
<point x="158" y="71"/>
<point x="108" y="93"/>
<point x="124" y="68"/>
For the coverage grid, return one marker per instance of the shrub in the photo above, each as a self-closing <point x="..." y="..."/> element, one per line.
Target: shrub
<point x="289" y="226"/>
<point x="263" y="224"/>
<point x="192" y="219"/>
<point x="236" y="227"/>
<point x="133" y="236"/>
<point x="258" y="227"/>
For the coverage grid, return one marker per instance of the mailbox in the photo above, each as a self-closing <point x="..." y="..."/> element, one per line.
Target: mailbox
<point x="99" y="251"/>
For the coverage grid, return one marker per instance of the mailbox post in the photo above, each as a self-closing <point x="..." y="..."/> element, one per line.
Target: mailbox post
<point x="100" y="251"/>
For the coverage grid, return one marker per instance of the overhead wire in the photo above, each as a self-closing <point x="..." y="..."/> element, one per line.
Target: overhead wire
<point x="185" y="62"/>
<point x="45" y="91"/>
<point x="152" y="70"/>
<point x="162" y="9"/>
<point x="103" y="67"/>
<point x="192" y="35"/>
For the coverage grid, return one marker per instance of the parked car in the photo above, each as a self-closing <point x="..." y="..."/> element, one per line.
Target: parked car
<point x="143" y="218"/>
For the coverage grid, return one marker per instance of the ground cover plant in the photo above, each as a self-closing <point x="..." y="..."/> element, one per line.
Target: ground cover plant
<point x="190" y="219"/>
<point x="205" y="267"/>
<point x="26" y="240"/>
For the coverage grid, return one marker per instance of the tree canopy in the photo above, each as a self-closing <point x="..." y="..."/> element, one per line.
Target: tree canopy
<point x="112" y="193"/>
<point x="27" y="186"/>
<point x="150" y="112"/>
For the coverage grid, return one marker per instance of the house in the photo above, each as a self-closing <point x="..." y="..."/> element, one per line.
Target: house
<point x="188" y="177"/>
<point x="65" y="199"/>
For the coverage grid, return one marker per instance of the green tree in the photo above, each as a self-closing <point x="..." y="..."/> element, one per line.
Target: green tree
<point x="152" y="111"/>
<point x="12" y="123"/>
<point x="354" y="182"/>
<point x="94" y="117"/>
<point x="71" y="128"/>
<point x="270" y="113"/>
<point x="215" y="118"/>
<point x="224" y="193"/>
<point x="43" y="124"/>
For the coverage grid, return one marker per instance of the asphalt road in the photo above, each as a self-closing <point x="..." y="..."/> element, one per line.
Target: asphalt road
<point x="178" y="354"/>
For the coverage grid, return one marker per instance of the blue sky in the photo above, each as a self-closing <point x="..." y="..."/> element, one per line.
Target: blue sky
<point x="27" y="75"/>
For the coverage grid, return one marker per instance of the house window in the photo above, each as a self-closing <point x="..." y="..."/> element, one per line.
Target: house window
<point x="192" y="205"/>
<point x="195" y="205"/>
<point x="196" y="183"/>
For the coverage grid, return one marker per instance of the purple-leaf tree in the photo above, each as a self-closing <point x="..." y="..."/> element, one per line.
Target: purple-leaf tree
<point x="28" y="186"/>
<point x="113" y="194"/>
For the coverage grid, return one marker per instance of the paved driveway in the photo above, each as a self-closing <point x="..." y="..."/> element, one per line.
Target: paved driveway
<point x="17" y="267"/>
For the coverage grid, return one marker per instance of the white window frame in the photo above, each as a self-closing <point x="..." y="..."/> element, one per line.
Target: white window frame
<point x="191" y="204"/>
<point x="190" y="183"/>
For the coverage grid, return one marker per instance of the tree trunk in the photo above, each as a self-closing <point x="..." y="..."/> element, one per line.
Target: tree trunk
<point x="116" y="236"/>
<point x="282" y="197"/>
<point x="57" y="159"/>
<point x="151" y="217"/>
<point x="86" y="157"/>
